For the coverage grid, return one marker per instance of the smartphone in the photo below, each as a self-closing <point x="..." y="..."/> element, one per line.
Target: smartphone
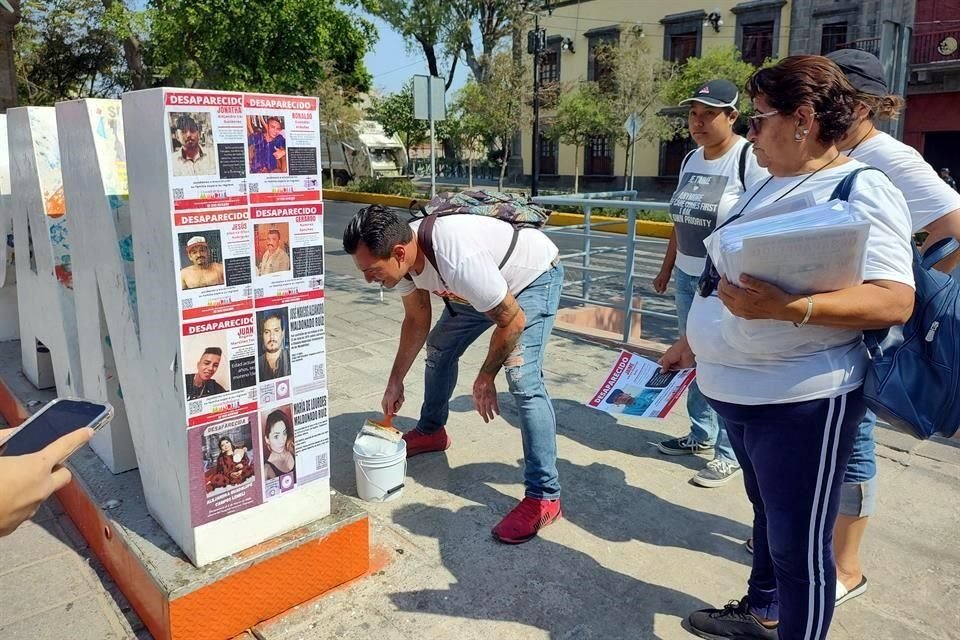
<point x="55" y="420"/>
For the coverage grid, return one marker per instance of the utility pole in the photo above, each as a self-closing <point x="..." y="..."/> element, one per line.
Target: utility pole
<point x="536" y="45"/>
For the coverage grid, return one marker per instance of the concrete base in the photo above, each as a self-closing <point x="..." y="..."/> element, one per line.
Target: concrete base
<point x="175" y="599"/>
<point x="600" y="322"/>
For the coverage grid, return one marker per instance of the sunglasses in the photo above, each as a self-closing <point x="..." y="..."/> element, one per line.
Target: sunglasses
<point x="709" y="280"/>
<point x="755" y="122"/>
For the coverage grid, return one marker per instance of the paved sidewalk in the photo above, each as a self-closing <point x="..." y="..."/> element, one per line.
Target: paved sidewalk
<point x="638" y="549"/>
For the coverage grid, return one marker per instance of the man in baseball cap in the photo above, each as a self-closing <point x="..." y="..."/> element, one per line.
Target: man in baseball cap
<point x="203" y="272"/>
<point x="716" y="93"/>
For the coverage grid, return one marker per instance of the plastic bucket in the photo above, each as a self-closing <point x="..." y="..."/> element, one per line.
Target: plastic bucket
<point x="380" y="467"/>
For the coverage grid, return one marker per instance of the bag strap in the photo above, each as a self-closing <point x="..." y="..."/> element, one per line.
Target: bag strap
<point x="842" y="190"/>
<point x="743" y="164"/>
<point x="683" y="163"/>
<point x="940" y="250"/>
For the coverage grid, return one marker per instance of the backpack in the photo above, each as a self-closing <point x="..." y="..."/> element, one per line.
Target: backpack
<point x="913" y="381"/>
<point x="519" y="211"/>
<point x="741" y="169"/>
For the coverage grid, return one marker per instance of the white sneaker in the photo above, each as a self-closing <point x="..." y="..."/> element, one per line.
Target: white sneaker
<point x="844" y="595"/>
<point x="717" y="472"/>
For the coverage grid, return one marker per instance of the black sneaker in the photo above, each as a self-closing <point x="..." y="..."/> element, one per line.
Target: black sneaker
<point x="683" y="447"/>
<point x="733" y="622"/>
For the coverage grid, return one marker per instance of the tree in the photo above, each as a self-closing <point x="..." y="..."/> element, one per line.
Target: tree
<point x="338" y="109"/>
<point x="720" y="62"/>
<point x="282" y="46"/>
<point x="395" y="113"/>
<point x="66" y="49"/>
<point x="498" y="104"/>
<point x="580" y="115"/>
<point x="637" y="81"/>
<point x="469" y="132"/>
<point x="494" y="20"/>
<point x="424" y="23"/>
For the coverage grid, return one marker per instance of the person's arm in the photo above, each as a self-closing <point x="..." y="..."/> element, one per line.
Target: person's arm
<point x="417" y="314"/>
<point x="872" y="305"/>
<point x="669" y="260"/>
<point x="28" y="480"/>
<point x="947" y="226"/>
<point x="510" y="321"/>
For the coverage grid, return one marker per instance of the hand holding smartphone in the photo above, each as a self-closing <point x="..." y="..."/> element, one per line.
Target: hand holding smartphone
<point x="55" y="420"/>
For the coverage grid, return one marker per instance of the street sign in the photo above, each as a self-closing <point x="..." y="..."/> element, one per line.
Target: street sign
<point x="633" y="125"/>
<point x="428" y="98"/>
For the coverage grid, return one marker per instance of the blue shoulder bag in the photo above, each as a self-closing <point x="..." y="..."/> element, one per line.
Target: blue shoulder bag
<point x="913" y="381"/>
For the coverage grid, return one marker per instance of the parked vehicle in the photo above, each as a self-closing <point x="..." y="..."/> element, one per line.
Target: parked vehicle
<point x="363" y="151"/>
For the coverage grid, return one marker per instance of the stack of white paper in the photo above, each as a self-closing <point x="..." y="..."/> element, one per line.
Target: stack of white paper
<point x="811" y="250"/>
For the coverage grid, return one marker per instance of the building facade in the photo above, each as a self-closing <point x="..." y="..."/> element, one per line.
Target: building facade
<point x="675" y="31"/>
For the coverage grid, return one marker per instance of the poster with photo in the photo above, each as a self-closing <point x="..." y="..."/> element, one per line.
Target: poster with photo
<point x="226" y="468"/>
<point x="311" y="429"/>
<point x="282" y="148"/>
<point x="635" y="386"/>
<point x="213" y="261"/>
<point x="288" y="251"/>
<point x="219" y="367"/>
<point x="279" y="451"/>
<point x="207" y="149"/>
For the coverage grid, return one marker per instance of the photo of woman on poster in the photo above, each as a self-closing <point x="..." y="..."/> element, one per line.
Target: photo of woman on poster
<point x="280" y="459"/>
<point x="233" y="467"/>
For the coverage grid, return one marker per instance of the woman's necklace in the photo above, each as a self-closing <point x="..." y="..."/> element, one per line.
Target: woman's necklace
<point x="779" y="198"/>
<point x="864" y="137"/>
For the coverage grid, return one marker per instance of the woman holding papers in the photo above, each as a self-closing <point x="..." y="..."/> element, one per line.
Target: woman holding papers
<point x="785" y="370"/>
<point x="712" y="179"/>
<point x="935" y="208"/>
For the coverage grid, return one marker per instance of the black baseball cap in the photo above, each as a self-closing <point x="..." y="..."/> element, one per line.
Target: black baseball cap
<point x="863" y="70"/>
<point x="716" y="93"/>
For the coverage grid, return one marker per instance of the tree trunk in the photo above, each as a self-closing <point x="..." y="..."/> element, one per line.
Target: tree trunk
<point x="333" y="182"/>
<point x="470" y="169"/>
<point x="503" y="165"/>
<point x="576" y="169"/>
<point x="430" y="53"/>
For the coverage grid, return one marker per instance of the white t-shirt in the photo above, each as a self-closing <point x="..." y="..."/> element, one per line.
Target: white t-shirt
<point x="708" y="188"/>
<point x="755" y="362"/>
<point x="928" y="196"/>
<point x="469" y="249"/>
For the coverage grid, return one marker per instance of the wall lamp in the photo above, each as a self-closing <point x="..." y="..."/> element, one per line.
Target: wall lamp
<point x="567" y="44"/>
<point x="714" y="19"/>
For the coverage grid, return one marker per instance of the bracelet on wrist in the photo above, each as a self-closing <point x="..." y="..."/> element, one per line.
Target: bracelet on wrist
<point x="807" y="315"/>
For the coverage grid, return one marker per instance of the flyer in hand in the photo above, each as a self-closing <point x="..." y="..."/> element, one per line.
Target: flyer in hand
<point x="635" y="386"/>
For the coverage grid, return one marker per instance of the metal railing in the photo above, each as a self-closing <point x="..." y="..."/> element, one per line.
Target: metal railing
<point x="588" y="231"/>
<point x="936" y="46"/>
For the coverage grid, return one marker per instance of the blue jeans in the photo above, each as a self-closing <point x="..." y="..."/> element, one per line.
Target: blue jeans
<point x="793" y="458"/>
<point x="524" y="368"/>
<point x="858" y="496"/>
<point x="705" y="426"/>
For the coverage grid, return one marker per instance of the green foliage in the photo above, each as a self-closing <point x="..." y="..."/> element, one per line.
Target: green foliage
<point x="422" y="23"/>
<point x="721" y="62"/>
<point x="388" y="186"/>
<point x="581" y="114"/>
<point x="274" y="47"/>
<point x="395" y="112"/>
<point x="67" y="49"/>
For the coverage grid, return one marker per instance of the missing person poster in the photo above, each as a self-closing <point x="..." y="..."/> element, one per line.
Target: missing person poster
<point x="212" y="249"/>
<point x="220" y="370"/>
<point x="288" y="250"/>
<point x="226" y="469"/>
<point x="635" y="386"/>
<point x="283" y="148"/>
<point x="207" y="149"/>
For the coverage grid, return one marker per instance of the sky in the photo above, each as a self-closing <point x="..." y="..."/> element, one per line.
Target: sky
<point x="391" y="64"/>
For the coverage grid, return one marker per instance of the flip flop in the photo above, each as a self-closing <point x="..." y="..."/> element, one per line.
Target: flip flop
<point x="843" y="594"/>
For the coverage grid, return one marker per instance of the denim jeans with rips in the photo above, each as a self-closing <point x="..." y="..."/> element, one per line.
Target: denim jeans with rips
<point x="452" y="335"/>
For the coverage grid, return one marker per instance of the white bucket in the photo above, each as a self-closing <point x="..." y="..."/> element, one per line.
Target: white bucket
<point x="380" y="467"/>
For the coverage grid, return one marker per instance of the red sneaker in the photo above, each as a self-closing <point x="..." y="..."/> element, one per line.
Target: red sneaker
<point x="528" y="517"/>
<point x="419" y="442"/>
